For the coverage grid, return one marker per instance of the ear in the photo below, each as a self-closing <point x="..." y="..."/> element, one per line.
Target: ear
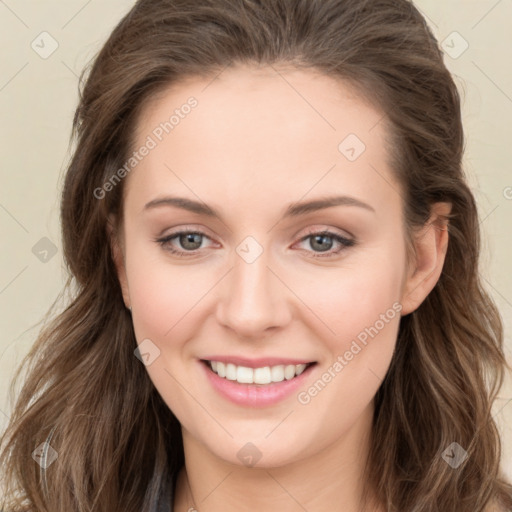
<point x="117" y="252"/>
<point x="430" y="246"/>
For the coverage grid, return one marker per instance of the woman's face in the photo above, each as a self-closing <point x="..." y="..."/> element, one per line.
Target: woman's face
<point x="256" y="283"/>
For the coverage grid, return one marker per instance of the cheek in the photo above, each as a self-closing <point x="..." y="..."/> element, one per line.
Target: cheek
<point x="350" y="300"/>
<point x="360" y="313"/>
<point x="355" y="359"/>
<point x="163" y="305"/>
<point x="154" y="304"/>
<point x="163" y="294"/>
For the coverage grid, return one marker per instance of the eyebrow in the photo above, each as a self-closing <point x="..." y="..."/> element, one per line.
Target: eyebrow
<point x="293" y="210"/>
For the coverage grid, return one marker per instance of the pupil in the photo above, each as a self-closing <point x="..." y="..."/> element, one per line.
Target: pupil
<point x="321" y="239"/>
<point x="192" y="238"/>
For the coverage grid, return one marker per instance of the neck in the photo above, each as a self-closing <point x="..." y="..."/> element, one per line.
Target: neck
<point x="328" y="480"/>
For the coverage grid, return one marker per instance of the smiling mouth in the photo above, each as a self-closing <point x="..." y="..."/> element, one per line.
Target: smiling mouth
<point x="263" y="375"/>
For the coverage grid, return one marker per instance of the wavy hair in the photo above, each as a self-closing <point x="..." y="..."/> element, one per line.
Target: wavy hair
<point x="85" y="392"/>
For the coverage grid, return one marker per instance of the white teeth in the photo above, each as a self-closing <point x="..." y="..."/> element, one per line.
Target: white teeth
<point x="230" y="371"/>
<point x="277" y="373"/>
<point x="289" y="372"/>
<point x="244" y="374"/>
<point x="262" y="375"/>
<point x="299" y="369"/>
<point x="265" y="375"/>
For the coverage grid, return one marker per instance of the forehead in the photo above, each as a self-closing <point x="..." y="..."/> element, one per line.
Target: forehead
<point x="260" y="134"/>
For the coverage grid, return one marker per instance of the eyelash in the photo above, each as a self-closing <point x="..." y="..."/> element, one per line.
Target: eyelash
<point x="344" y="242"/>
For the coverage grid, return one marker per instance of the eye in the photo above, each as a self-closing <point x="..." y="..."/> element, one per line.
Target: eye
<point x="320" y="241"/>
<point x="191" y="241"/>
<point x="323" y="241"/>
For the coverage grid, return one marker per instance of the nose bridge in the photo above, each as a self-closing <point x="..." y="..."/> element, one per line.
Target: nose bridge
<point x="254" y="299"/>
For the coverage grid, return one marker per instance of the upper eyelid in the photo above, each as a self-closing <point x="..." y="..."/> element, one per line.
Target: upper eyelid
<point x="334" y="231"/>
<point x="309" y="232"/>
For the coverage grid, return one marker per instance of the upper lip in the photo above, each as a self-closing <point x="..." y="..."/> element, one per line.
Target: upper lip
<point x="259" y="362"/>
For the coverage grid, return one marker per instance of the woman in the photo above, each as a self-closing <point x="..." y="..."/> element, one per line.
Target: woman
<point x="274" y="251"/>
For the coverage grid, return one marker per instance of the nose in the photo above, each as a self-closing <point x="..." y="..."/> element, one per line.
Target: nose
<point x="254" y="299"/>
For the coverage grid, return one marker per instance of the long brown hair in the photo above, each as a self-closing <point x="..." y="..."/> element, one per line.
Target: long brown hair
<point x="115" y="439"/>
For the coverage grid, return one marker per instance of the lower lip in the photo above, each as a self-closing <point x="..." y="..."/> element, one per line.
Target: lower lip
<point x="255" y="395"/>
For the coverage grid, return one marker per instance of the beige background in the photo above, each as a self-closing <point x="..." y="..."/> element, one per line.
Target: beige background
<point x="37" y="100"/>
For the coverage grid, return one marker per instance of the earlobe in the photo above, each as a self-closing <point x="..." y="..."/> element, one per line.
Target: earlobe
<point x="431" y="245"/>
<point x="116" y="251"/>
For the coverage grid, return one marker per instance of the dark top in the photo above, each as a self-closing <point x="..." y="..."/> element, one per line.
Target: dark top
<point x="166" y="500"/>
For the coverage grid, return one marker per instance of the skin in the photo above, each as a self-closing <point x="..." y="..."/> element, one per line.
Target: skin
<point x="251" y="147"/>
